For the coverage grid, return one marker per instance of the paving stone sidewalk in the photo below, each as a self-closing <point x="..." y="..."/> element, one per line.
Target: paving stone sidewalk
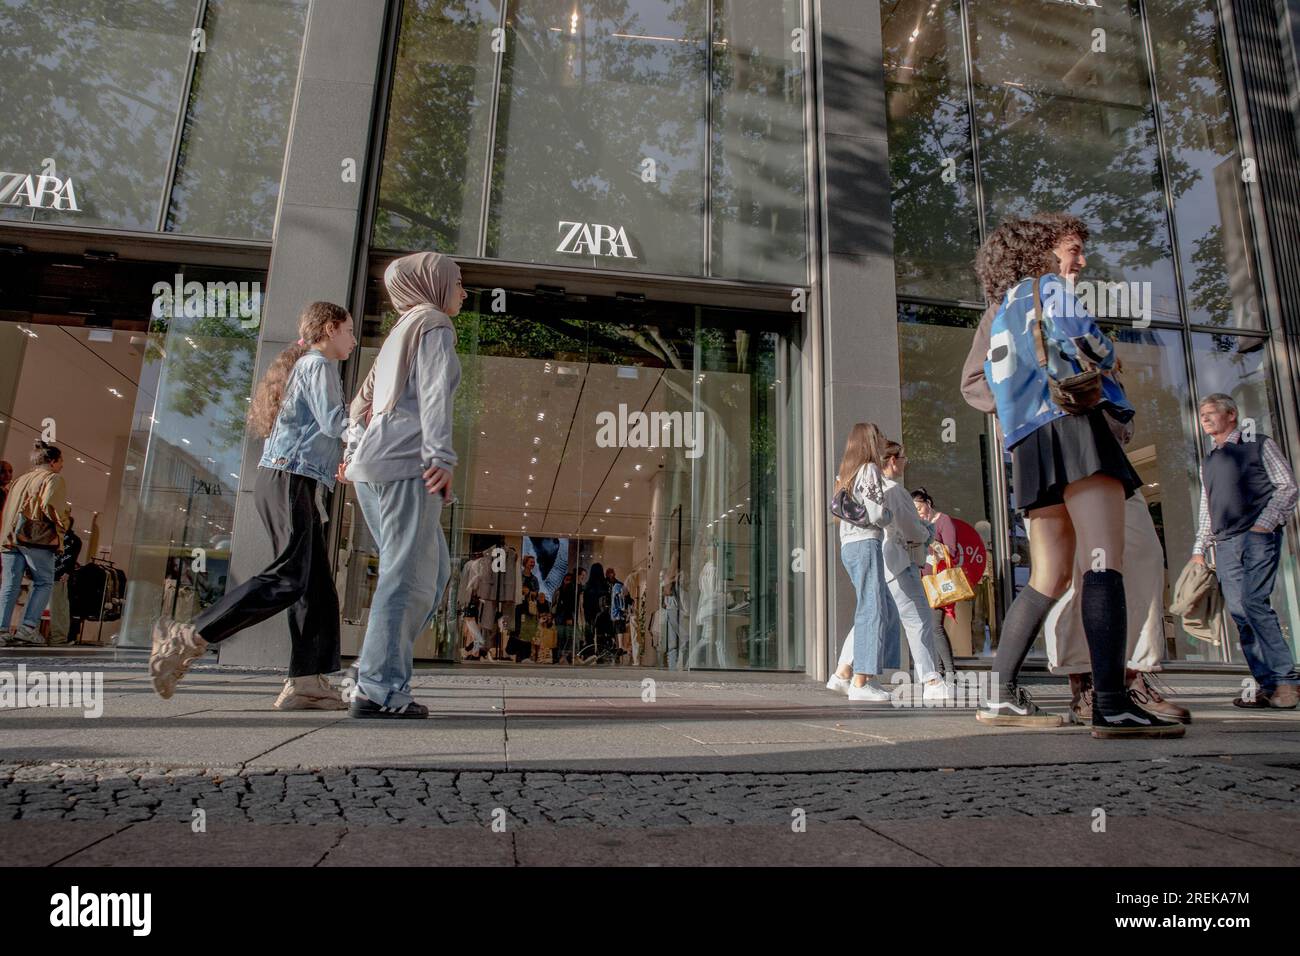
<point x="376" y="796"/>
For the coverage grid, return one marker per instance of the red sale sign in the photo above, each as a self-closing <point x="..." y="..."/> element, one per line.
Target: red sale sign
<point x="972" y="557"/>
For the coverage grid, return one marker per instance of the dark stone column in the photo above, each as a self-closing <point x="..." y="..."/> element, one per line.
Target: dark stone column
<point x="315" y="248"/>
<point x="860" y="368"/>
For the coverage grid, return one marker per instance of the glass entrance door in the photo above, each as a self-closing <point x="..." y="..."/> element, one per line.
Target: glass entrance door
<point x="629" y="489"/>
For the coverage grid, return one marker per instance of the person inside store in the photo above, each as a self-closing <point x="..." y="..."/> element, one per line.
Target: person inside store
<point x="565" y="619"/>
<point x="618" y="612"/>
<point x="32" y="526"/>
<point x="599" y="630"/>
<point x="1071" y="476"/>
<point x="862" y="553"/>
<point x="945" y="533"/>
<point x="906" y="542"/>
<point x="65" y="563"/>
<point x="1248" y="491"/>
<point x="401" y="459"/>
<point x="1144" y="577"/>
<point x="6" y="478"/>
<point x="298" y="410"/>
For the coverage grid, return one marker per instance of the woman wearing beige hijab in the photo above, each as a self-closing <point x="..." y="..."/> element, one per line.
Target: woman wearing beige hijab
<point x="400" y="457"/>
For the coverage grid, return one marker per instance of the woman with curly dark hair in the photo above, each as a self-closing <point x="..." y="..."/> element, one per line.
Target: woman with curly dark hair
<point x="299" y="410"/>
<point x="1069" y="471"/>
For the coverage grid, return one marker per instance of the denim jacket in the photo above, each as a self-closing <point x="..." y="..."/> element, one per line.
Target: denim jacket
<point x="306" y="437"/>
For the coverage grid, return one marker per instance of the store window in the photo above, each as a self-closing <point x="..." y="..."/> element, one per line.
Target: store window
<point x="232" y="145"/>
<point x="1063" y="126"/>
<point x="1205" y="165"/>
<point x="588" y="126"/>
<point x="92" y="89"/>
<point x="148" y="408"/>
<point x="697" y="510"/>
<point x="931" y="163"/>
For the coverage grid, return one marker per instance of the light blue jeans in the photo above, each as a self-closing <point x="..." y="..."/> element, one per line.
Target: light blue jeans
<point x="910" y="608"/>
<point x="39" y="563"/>
<point x="875" y="617"/>
<point x="414" y="566"/>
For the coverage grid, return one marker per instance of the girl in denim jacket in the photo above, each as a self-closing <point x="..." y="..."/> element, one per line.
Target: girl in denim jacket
<point x="299" y="410"/>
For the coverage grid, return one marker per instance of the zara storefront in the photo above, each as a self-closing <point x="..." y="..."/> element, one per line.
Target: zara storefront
<point x="702" y="238"/>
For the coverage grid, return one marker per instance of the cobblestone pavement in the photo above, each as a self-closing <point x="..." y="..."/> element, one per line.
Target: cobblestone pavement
<point x="361" y="796"/>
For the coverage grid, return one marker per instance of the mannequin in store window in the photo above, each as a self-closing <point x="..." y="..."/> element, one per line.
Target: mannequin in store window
<point x="299" y="411"/>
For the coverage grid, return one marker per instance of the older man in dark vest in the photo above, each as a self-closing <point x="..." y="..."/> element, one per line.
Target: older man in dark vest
<point x="1247" y="493"/>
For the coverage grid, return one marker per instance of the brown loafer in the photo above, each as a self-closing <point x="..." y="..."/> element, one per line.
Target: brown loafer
<point x="1284" y="697"/>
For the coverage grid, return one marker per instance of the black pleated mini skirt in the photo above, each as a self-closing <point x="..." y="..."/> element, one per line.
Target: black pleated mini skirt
<point x="1066" y="450"/>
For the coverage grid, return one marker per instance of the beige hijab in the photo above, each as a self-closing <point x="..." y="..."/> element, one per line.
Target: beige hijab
<point x="421" y="288"/>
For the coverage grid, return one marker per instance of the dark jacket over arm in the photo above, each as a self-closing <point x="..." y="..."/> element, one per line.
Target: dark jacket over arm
<point x="974" y="388"/>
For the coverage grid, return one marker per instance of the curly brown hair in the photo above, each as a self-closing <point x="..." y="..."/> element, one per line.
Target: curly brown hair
<point x="1020" y="248"/>
<point x="317" y="323"/>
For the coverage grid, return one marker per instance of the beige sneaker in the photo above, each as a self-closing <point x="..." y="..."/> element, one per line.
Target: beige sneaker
<point x="175" y="646"/>
<point x="313" y="692"/>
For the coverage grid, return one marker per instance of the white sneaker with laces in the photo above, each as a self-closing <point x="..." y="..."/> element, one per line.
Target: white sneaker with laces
<point x="869" y="692"/>
<point x="838" y="684"/>
<point x="939" y="690"/>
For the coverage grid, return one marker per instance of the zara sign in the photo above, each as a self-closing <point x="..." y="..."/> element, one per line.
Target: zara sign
<point x="594" y="239"/>
<point x="18" y="189"/>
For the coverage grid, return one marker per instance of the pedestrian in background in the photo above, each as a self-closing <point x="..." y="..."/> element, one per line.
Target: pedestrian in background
<point x="1247" y="493"/>
<point x="31" y="535"/>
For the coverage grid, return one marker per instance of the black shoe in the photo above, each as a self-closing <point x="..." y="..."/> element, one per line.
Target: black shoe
<point x="364" y="707"/>
<point x="1015" y="708"/>
<point x="1119" y="715"/>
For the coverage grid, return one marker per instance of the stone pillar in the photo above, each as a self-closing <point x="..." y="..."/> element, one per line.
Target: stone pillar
<point x="860" y="334"/>
<point x="314" y="251"/>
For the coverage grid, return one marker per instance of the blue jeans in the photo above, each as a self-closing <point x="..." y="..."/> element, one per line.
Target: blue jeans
<point x="875" y="621"/>
<point x="414" y="566"/>
<point x="1246" y="565"/>
<point x="39" y="563"/>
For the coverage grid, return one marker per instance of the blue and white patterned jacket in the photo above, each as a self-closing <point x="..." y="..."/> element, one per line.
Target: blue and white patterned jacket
<point x="1019" y="386"/>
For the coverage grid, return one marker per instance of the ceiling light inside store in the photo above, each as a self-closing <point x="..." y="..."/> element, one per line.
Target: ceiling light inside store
<point x="627" y="484"/>
<point x="541" y="416"/>
<point x="532" y="461"/>
<point x="186" y="440"/>
<point x="618" y="497"/>
<point x="637" y="467"/>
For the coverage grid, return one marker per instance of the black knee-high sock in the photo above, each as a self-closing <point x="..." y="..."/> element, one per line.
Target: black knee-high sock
<point x="1105" y="624"/>
<point x="1023" y="620"/>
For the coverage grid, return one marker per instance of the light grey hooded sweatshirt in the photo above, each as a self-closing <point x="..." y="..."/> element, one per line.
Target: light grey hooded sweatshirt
<point x="402" y="416"/>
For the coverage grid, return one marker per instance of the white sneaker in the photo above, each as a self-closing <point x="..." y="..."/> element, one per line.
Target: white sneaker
<point x="839" y="684"/>
<point x="939" y="690"/>
<point x="868" y="691"/>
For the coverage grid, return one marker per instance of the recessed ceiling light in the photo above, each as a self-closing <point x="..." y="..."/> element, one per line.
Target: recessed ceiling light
<point x="627" y="484"/>
<point x="537" y="440"/>
<point x="530" y="491"/>
<point x="530" y="477"/>
<point x="541" y="416"/>
<point x="608" y="510"/>
<point x="637" y="467"/>
<point x="533" y="462"/>
<point x="186" y="440"/>
<point x="618" y="497"/>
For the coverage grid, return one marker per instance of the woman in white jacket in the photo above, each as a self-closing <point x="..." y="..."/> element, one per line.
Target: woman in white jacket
<point x="906" y="537"/>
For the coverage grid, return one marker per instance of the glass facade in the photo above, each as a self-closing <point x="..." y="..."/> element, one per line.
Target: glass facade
<point x="640" y="137"/>
<point x="94" y="93"/>
<point x="1121" y="115"/>
<point x="146" y="398"/>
